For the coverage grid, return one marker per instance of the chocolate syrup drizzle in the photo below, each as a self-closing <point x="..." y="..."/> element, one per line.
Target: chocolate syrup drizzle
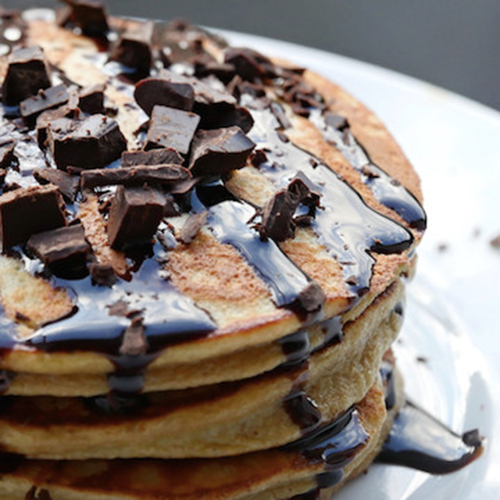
<point x="386" y="190"/>
<point x="349" y="229"/>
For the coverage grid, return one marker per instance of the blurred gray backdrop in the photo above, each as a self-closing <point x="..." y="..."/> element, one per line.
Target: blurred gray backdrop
<point x="451" y="43"/>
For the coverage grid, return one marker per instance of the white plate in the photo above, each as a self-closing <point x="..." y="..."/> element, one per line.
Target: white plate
<point x="454" y="303"/>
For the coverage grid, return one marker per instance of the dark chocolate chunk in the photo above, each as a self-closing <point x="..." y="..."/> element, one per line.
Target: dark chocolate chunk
<point x="223" y="71"/>
<point x="92" y="142"/>
<point x="216" y="152"/>
<point x="3" y="173"/>
<point x="192" y="227"/>
<point x="44" y="100"/>
<point x="171" y="128"/>
<point x="7" y="146"/>
<point x="134" y="47"/>
<point x="278" y="215"/>
<point x="166" y="156"/>
<point x="249" y="63"/>
<point x="69" y="185"/>
<point x="134" y="215"/>
<point x="47" y="117"/>
<point x="27" y="211"/>
<point x="336" y="121"/>
<point x="135" y="176"/>
<point x="134" y="341"/>
<point x="102" y="274"/>
<point x="226" y="116"/>
<point x="280" y="115"/>
<point x="90" y="16"/>
<point x="172" y="91"/>
<point x="91" y="99"/>
<point x="258" y="157"/>
<point x="59" y="244"/>
<point x="26" y="75"/>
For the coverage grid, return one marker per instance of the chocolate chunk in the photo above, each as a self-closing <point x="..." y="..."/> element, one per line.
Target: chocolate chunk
<point x="38" y="494"/>
<point x="171" y="91"/>
<point x="102" y="274"/>
<point x="134" y="215"/>
<point x="69" y="185"/>
<point x="223" y="71"/>
<point x="280" y="115"/>
<point x="134" y="341"/>
<point x="7" y="146"/>
<point x="225" y="116"/>
<point x="44" y="100"/>
<point x="192" y="227"/>
<point x="135" y="176"/>
<point x="167" y="156"/>
<point x="90" y="16"/>
<point x="336" y="121"/>
<point x="27" y="211"/>
<point x="47" y="117"/>
<point x="249" y="63"/>
<point x="277" y="217"/>
<point x="171" y="128"/>
<point x="3" y="173"/>
<point x="258" y="157"/>
<point x="91" y="99"/>
<point x="216" y="152"/>
<point x="59" y="244"/>
<point x="134" y="47"/>
<point x="27" y="73"/>
<point x="312" y="298"/>
<point x="92" y="142"/>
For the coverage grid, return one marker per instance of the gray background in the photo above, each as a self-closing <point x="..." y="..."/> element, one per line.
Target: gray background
<point x="451" y="43"/>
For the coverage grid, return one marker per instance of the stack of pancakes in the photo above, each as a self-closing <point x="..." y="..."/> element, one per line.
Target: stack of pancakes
<point x="212" y="316"/>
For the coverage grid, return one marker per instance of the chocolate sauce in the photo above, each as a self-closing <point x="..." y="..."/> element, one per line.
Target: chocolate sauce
<point x="296" y="347"/>
<point x="10" y="462"/>
<point x="303" y="411"/>
<point x="386" y="190"/>
<point x="314" y="494"/>
<point x="349" y="228"/>
<point x="334" y="445"/>
<point x="229" y="221"/>
<point x="387" y="375"/>
<point x="419" y="441"/>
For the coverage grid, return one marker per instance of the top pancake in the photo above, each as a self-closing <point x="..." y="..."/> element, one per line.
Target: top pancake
<point x="209" y="289"/>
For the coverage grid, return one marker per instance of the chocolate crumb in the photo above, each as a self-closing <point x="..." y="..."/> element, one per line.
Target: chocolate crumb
<point x="472" y="438"/>
<point x="495" y="242"/>
<point x="258" y="157"/>
<point x="443" y="247"/>
<point x="102" y="274"/>
<point x="192" y="227"/>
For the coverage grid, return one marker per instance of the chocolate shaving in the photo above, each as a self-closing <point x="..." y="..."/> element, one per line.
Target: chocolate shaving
<point x="280" y="115"/>
<point x="166" y="156"/>
<point x="192" y="227"/>
<point x="91" y="99"/>
<point x="171" y="128"/>
<point x="44" y="100"/>
<point x="134" y="47"/>
<point x="7" y="152"/>
<point x="59" y="244"/>
<point x="135" y="176"/>
<point x="27" y="211"/>
<point x="134" y="341"/>
<point x="92" y="142"/>
<point x="102" y="274"/>
<point x="173" y="92"/>
<point x="27" y="73"/>
<point x="134" y="215"/>
<point x="216" y="152"/>
<point x="69" y="185"/>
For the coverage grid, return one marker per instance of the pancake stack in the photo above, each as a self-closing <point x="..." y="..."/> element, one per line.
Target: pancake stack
<point x="203" y="262"/>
